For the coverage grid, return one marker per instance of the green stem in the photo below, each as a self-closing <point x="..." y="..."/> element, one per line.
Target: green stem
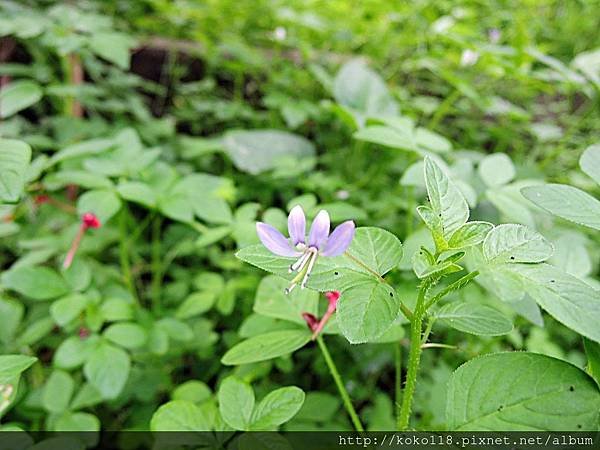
<point x="156" y="264"/>
<point x="340" y="384"/>
<point x="124" y="253"/>
<point x="414" y="357"/>
<point x="398" y="380"/>
<point x="451" y="288"/>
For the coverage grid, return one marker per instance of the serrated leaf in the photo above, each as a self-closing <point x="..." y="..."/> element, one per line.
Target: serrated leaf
<point x="14" y="161"/>
<point x="366" y="311"/>
<point x="590" y="162"/>
<point x="566" y="202"/>
<point x="496" y="169"/>
<point x="471" y="233"/>
<point x="512" y="243"/>
<point x="521" y="392"/>
<point x="446" y="200"/>
<point x="18" y="95"/>
<point x="266" y="346"/>
<point x="276" y="408"/>
<point x="473" y="318"/>
<point x="236" y="403"/>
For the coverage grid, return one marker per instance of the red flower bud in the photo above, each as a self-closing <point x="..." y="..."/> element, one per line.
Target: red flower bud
<point x="311" y="321"/>
<point x="89" y="220"/>
<point x="332" y="296"/>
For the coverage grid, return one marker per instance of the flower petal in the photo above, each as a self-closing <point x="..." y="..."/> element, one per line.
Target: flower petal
<point x="340" y="239"/>
<point x="274" y="240"/>
<point x="319" y="230"/>
<point x="297" y="225"/>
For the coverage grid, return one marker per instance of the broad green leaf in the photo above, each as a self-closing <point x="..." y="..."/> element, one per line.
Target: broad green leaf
<point x="18" y="95"/>
<point x="87" y="180"/>
<point x="84" y="148"/>
<point x="568" y="299"/>
<point x="566" y="202"/>
<point x="471" y="317"/>
<point x="256" y="151"/>
<point x="87" y="396"/>
<point x="180" y="415"/>
<point x="387" y="136"/>
<point x="206" y="195"/>
<point x="176" y="329"/>
<point x="496" y="169"/>
<point x="38" y="283"/>
<point x="127" y="335"/>
<point x="511" y="204"/>
<point x="471" y="233"/>
<point x="380" y="249"/>
<point x="266" y="346"/>
<point x="137" y="192"/>
<point x="58" y="391"/>
<point x="112" y="46"/>
<point x="236" y="403"/>
<point x="36" y="331"/>
<point x="104" y="203"/>
<point x="277" y="407"/>
<point x="512" y="243"/>
<point x="446" y="200"/>
<point x="73" y="352"/>
<point x="362" y="91"/>
<point x="107" y="369"/>
<point x="318" y="404"/>
<point x="522" y="392"/>
<point x="13" y="365"/>
<point x="271" y="300"/>
<point x="592" y="351"/>
<point x="11" y="314"/>
<point x="590" y="162"/>
<point x="195" y="304"/>
<point x="79" y="421"/>
<point x="366" y="311"/>
<point x="432" y="141"/>
<point x="14" y="161"/>
<point x="192" y="390"/>
<point x="67" y="308"/>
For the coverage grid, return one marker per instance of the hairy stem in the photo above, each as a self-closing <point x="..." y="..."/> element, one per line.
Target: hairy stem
<point x="414" y="357"/>
<point x="458" y="284"/>
<point x="398" y="379"/>
<point x="340" y="385"/>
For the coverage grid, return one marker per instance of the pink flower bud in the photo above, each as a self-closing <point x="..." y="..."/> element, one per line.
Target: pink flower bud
<point x="89" y="220"/>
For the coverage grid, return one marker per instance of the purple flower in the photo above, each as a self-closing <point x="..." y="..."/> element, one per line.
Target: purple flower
<point x="319" y="242"/>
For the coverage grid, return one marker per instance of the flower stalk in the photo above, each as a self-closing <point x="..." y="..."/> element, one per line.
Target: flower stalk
<point x="88" y="220"/>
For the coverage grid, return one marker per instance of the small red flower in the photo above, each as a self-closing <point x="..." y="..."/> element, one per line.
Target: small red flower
<point x="89" y="220"/>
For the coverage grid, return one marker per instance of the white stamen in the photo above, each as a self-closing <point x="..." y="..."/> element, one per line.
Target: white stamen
<point x="299" y="263"/>
<point x="290" y="288"/>
<point x="311" y="264"/>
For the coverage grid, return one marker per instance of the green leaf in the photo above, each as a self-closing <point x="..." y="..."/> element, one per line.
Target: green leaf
<point x="13" y="365"/>
<point x="271" y="300"/>
<point x="471" y="233"/>
<point x="180" y="415"/>
<point x="236" y="403"/>
<point x="107" y="369"/>
<point x="432" y="141"/>
<point x="512" y="243"/>
<point x="58" y="391"/>
<point x="137" y="192"/>
<point x="112" y="46"/>
<point x="277" y="407"/>
<point x="84" y="148"/>
<point x="193" y="390"/>
<point x="568" y="299"/>
<point x="104" y="203"/>
<point x="73" y="352"/>
<point x="14" y="161"/>
<point x="471" y="317"/>
<point x="496" y="169"/>
<point x="205" y="195"/>
<point x="11" y="314"/>
<point x="590" y="162"/>
<point x="38" y="283"/>
<point x="362" y="91"/>
<point x="256" y="151"/>
<point x="446" y="200"/>
<point x="67" y="308"/>
<point x="592" y="351"/>
<point x="127" y="335"/>
<point x="366" y="311"/>
<point x="567" y="202"/>
<point x="521" y="392"/>
<point x="18" y="95"/>
<point x="78" y="421"/>
<point x="387" y="136"/>
<point x="266" y="346"/>
<point x="57" y="180"/>
<point x="195" y="304"/>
